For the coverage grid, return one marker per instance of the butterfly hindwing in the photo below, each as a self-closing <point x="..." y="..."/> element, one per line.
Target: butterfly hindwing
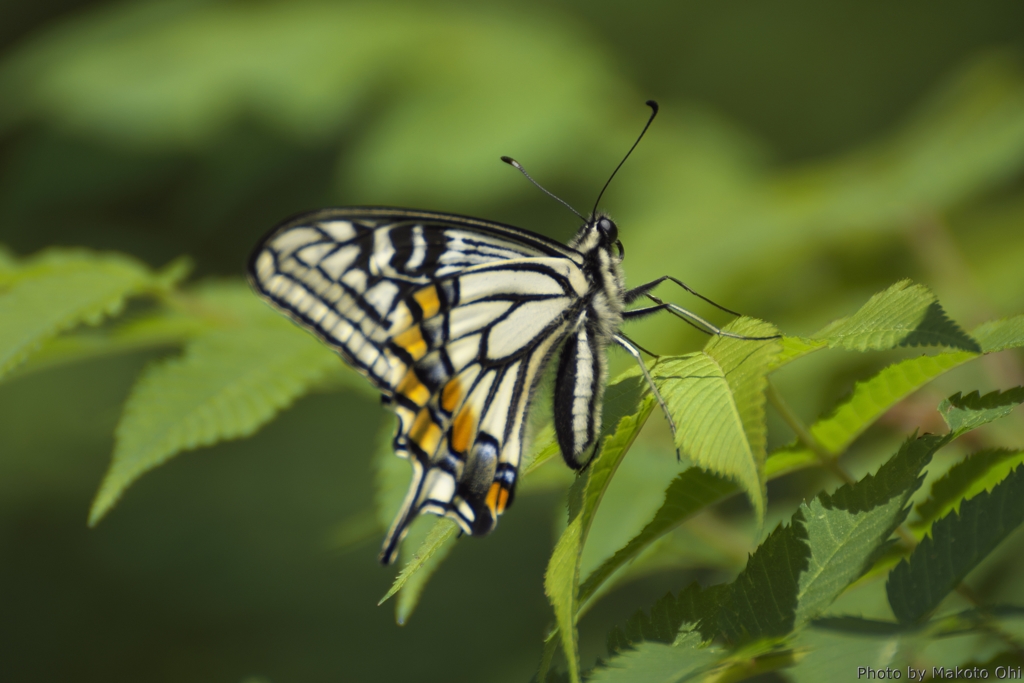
<point x="451" y="318"/>
<point x="469" y="349"/>
<point x="579" y="390"/>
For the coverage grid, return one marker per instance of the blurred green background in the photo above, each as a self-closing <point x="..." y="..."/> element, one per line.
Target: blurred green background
<point x="808" y="154"/>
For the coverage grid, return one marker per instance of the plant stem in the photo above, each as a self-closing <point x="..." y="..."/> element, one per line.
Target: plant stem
<point x="827" y="458"/>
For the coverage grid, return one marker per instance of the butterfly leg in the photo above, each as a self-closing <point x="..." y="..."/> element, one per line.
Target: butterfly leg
<point x="686" y="316"/>
<point x="643" y="290"/>
<point x="631" y="348"/>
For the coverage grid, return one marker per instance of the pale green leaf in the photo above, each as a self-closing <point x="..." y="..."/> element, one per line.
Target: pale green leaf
<point x="229" y="382"/>
<point x="414" y="575"/>
<point x="869" y="400"/>
<point x="561" y="579"/>
<point x="717" y="400"/>
<point x="794" y="348"/>
<point x="60" y="289"/>
<point x="559" y="586"/>
<point x="653" y="662"/>
<point x="964" y="413"/>
<point x="690" y="492"/>
<point x="903" y="315"/>
<point x="163" y="329"/>
<point x="958" y="543"/>
<point x="999" y="335"/>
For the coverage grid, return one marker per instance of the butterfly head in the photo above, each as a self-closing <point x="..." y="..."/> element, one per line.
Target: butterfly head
<point x="608" y="231"/>
<point x="598" y="234"/>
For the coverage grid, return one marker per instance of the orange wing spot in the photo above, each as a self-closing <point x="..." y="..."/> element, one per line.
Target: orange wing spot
<point x="412" y="341"/>
<point x="425" y="432"/>
<point x="462" y="429"/>
<point x="497" y="499"/>
<point x="450" y="395"/>
<point x="428" y="301"/>
<point x="413" y="389"/>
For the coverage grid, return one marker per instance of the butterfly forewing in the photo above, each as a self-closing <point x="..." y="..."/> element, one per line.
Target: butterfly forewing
<point x="452" y="319"/>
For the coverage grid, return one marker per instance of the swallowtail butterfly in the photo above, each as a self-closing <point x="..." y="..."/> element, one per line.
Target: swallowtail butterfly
<point x="454" y="320"/>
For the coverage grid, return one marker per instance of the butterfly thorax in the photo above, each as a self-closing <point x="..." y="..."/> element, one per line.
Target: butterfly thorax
<point x="598" y="242"/>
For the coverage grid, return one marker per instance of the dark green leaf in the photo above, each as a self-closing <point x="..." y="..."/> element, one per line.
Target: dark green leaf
<point x="681" y="659"/>
<point x="800" y="569"/>
<point x="964" y="413"/>
<point x="845" y="530"/>
<point x="967" y="478"/>
<point x="957" y="544"/>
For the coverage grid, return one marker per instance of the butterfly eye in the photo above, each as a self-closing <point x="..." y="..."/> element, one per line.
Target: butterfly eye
<point x="611" y="233"/>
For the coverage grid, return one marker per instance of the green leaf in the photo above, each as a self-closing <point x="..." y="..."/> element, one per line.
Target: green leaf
<point x="653" y="662"/>
<point x="999" y="335"/>
<point x="762" y="601"/>
<point x="959" y="542"/>
<point x="800" y="569"/>
<point x="60" y="289"/>
<point x="561" y="579"/>
<point x="794" y="348"/>
<point x="163" y="329"/>
<point x="846" y="529"/>
<point x="824" y="655"/>
<point x="903" y="315"/>
<point x="667" y="616"/>
<point x="693" y="490"/>
<point x="229" y="382"/>
<point x="964" y="413"/>
<point x="967" y="478"/>
<point x="414" y="576"/>
<point x="717" y="400"/>
<point x="870" y="400"/>
<point x="690" y="492"/>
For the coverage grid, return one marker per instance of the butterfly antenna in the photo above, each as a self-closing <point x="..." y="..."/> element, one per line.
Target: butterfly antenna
<point x="654" y="112"/>
<point x="516" y="165"/>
